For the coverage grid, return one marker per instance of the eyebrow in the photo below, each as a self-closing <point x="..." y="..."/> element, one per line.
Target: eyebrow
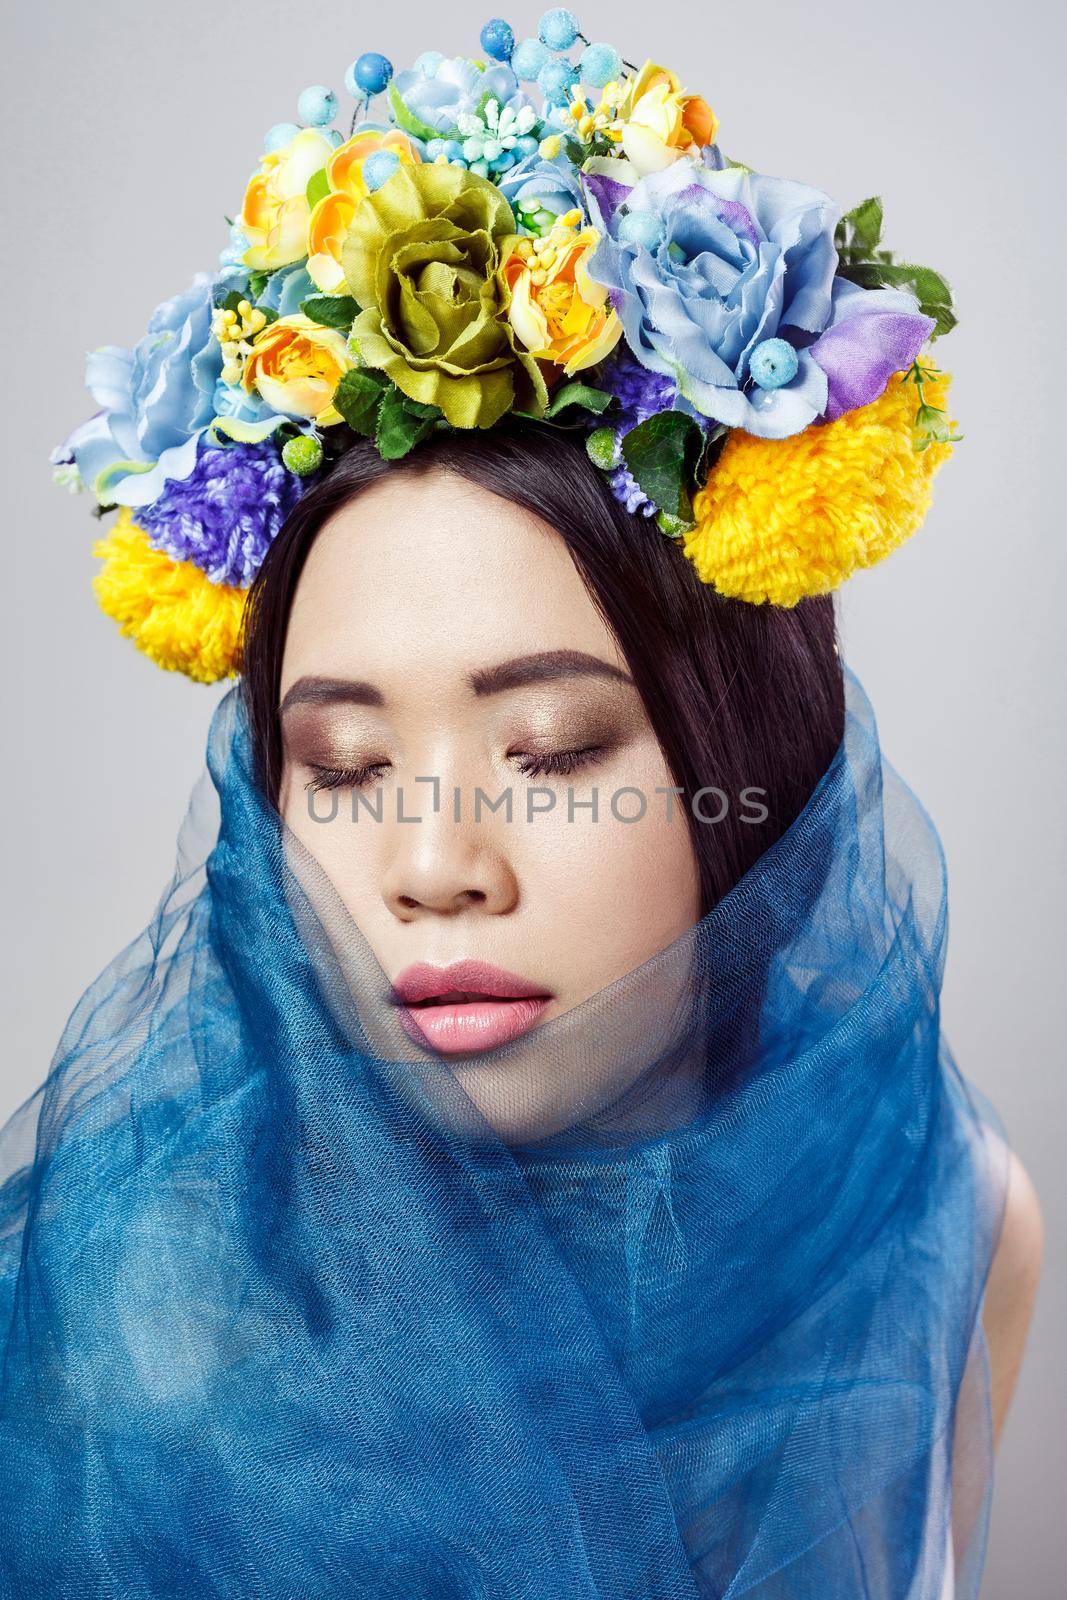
<point x="518" y="673"/>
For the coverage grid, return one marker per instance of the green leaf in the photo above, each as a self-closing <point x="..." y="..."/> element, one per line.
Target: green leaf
<point x="406" y="119"/>
<point x="662" y="454"/>
<point x="256" y="284"/>
<point x="331" y="310"/>
<point x="358" y="397"/>
<point x="230" y="302"/>
<point x="929" y="287"/>
<point x="860" y="230"/>
<point x="861" y="260"/>
<point x="318" y="187"/>
<point x="402" y="423"/>
<point x="579" y="394"/>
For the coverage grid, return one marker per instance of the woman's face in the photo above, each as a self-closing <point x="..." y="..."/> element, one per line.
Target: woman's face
<point x="442" y="646"/>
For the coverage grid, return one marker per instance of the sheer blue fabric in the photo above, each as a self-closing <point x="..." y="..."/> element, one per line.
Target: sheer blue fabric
<point x="694" y="1312"/>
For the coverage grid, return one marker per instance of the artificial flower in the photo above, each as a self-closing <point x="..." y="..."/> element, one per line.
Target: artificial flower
<point x="541" y="190"/>
<point x="156" y="401"/>
<point x="495" y="132"/>
<point x="170" y="609"/>
<point x="781" y="519"/>
<point x="660" y="123"/>
<point x="275" y="213"/>
<point x="295" y="365"/>
<point x="735" y="259"/>
<point x="639" y="394"/>
<point x="554" y="307"/>
<point x="427" y="104"/>
<point x="422" y="258"/>
<point x="225" y="515"/>
<point x="872" y="334"/>
<point x="332" y="214"/>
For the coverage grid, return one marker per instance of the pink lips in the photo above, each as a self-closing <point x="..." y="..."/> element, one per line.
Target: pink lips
<point x="470" y="1005"/>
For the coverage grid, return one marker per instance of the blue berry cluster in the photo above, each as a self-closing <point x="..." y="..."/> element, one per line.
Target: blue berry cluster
<point x="369" y="75"/>
<point x="543" y="60"/>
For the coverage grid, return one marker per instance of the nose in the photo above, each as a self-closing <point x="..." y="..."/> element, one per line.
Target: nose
<point x="445" y="868"/>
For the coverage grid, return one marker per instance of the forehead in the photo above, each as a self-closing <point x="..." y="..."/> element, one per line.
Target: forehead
<point x="426" y="572"/>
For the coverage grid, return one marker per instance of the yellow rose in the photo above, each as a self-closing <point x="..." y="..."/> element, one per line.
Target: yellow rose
<point x="554" y="307"/>
<point x="275" y="212"/>
<point x="660" y="123"/>
<point x="296" y="365"/>
<point x="331" y="217"/>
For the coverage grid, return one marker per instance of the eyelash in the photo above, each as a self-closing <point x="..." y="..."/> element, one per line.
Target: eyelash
<point x="554" y="763"/>
<point x="342" y="777"/>
<point x="558" y="763"/>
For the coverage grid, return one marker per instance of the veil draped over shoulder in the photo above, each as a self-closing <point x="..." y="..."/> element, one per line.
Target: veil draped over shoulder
<point x="285" y="1316"/>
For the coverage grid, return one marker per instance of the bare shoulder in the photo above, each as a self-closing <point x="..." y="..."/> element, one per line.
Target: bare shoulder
<point x="1012" y="1288"/>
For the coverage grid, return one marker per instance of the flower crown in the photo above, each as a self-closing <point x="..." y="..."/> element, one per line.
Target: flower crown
<point x="745" y="362"/>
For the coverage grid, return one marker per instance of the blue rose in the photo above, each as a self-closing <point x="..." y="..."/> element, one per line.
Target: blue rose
<point x="156" y="400"/>
<point x="162" y="397"/>
<point x="535" y="184"/>
<point x="457" y="88"/>
<point x="713" y="263"/>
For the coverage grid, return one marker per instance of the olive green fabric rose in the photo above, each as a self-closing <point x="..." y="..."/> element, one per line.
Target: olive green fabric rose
<point x="421" y="259"/>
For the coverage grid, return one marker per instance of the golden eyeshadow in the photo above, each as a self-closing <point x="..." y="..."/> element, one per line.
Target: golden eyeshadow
<point x="595" y="719"/>
<point x="313" y="736"/>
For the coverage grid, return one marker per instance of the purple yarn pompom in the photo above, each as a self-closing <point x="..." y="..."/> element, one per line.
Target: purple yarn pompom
<point x="640" y="394"/>
<point x="226" y="514"/>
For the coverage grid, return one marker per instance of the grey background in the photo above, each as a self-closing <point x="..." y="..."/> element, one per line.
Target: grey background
<point x="129" y="129"/>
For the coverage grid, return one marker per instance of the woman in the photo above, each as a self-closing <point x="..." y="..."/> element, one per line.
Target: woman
<point x="521" y="1157"/>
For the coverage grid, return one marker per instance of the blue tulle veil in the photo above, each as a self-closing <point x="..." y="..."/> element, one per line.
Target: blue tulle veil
<point x="694" y="1310"/>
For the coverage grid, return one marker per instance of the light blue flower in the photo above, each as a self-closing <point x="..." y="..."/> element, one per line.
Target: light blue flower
<point x="458" y="88"/>
<point x="156" y="400"/>
<point x="286" y="289"/>
<point x="535" y="185"/>
<point x="742" y="258"/>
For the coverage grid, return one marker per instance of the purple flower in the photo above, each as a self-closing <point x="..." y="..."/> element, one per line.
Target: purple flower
<point x="226" y="514"/>
<point x="641" y="393"/>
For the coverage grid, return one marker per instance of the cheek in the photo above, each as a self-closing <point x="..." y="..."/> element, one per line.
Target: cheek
<point x="610" y="893"/>
<point x="345" y="850"/>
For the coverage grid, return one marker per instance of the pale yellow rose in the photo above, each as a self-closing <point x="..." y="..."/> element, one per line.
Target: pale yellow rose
<point x="554" y="307"/>
<point x="332" y="216"/>
<point x="275" y="212"/>
<point x="296" y="365"/>
<point x="660" y="123"/>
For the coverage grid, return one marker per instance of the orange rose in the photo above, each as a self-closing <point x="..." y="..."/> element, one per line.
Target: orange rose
<point x="332" y="216"/>
<point x="554" y="307"/>
<point x="296" y="365"/>
<point x="274" y="215"/>
<point x="660" y="123"/>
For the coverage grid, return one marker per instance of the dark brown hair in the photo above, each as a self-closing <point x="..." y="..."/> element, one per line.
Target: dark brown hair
<point x="741" y="696"/>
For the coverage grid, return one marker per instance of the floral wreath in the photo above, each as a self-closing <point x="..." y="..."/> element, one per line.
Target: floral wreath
<point x="746" y="363"/>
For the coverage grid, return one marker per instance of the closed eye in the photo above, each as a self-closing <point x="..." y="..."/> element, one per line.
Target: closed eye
<point x="558" y="763"/>
<point x="343" y="777"/>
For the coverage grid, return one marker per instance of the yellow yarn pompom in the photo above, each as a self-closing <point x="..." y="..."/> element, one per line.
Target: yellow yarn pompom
<point x="780" y="519"/>
<point x="170" y="609"/>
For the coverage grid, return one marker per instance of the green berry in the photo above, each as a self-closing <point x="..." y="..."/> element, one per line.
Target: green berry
<point x="302" y="455"/>
<point x="602" y="448"/>
<point x="672" y="526"/>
